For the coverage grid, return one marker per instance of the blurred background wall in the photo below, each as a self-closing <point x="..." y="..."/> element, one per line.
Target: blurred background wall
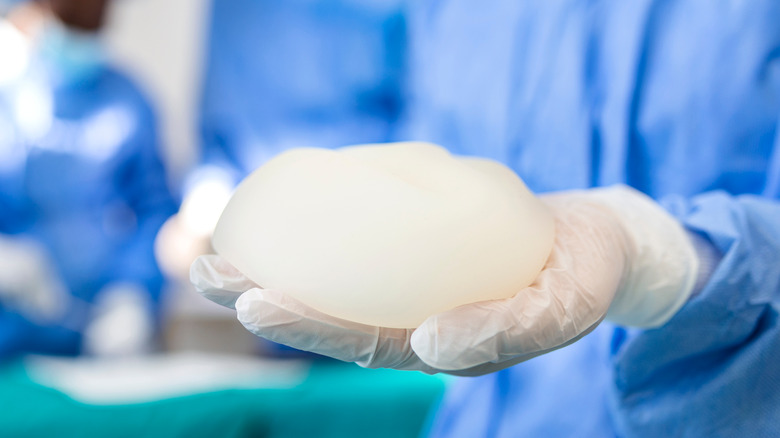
<point x="161" y="44"/>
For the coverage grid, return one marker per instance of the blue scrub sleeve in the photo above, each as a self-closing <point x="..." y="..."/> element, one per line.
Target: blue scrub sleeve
<point x="143" y="185"/>
<point x="712" y="369"/>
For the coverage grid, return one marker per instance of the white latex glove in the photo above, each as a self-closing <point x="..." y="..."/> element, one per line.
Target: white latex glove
<point x="29" y="283"/>
<point x="617" y="254"/>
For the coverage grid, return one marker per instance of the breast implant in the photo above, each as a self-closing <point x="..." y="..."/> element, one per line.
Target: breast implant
<point x="385" y="234"/>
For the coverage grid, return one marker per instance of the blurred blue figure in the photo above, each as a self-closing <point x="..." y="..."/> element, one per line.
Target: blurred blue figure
<point x="80" y="176"/>
<point x="299" y="73"/>
<point x="680" y="100"/>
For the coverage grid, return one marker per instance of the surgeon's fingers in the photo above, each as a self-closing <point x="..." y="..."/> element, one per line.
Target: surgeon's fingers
<point x="569" y="297"/>
<point x="279" y="318"/>
<point x="534" y="320"/>
<point x="217" y="280"/>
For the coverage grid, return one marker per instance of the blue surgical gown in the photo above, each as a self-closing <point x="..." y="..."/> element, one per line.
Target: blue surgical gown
<point x="80" y="172"/>
<point x="679" y="99"/>
<point x="321" y="73"/>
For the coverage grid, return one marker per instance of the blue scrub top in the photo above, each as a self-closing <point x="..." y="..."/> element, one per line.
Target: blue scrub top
<point x="680" y="100"/>
<point x="80" y="172"/>
<point x="320" y="73"/>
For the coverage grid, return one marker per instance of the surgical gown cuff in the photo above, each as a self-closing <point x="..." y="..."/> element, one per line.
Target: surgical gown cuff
<point x="662" y="263"/>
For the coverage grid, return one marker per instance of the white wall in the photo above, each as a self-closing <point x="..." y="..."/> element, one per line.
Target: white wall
<point x="161" y="44"/>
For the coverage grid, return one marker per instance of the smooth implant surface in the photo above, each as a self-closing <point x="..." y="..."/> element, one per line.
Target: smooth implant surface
<point x="385" y="235"/>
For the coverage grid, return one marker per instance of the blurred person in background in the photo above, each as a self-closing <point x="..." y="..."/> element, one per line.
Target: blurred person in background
<point x="670" y="288"/>
<point x="82" y="188"/>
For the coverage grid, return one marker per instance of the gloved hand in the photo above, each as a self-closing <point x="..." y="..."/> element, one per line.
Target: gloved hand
<point x="29" y="283"/>
<point x="617" y="254"/>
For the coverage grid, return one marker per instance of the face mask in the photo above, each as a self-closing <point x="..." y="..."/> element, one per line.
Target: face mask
<point x="74" y="56"/>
